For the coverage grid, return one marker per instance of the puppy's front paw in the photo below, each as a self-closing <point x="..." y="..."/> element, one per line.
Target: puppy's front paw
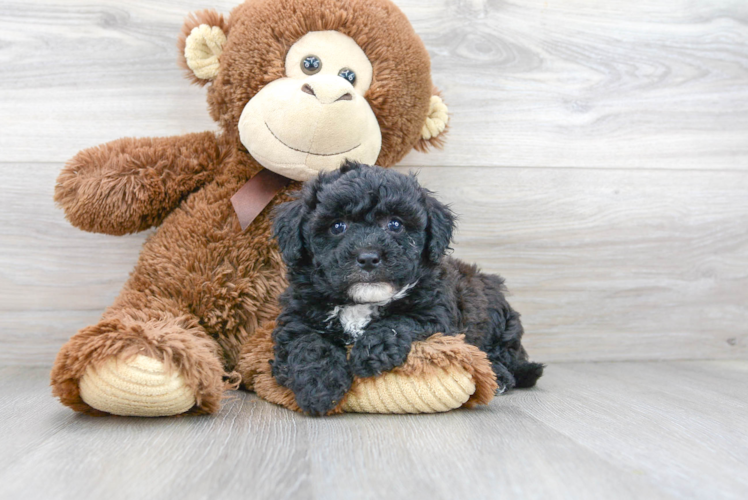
<point x="316" y="371"/>
<point x="321" y="393"/>
<point x="380" y="349"/>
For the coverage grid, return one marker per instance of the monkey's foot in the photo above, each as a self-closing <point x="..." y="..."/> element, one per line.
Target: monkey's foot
<point x="438" y="391"/>
<point x="440" y="374"/>
<point x="140" y="367"/>
<point x="140" y="386"/>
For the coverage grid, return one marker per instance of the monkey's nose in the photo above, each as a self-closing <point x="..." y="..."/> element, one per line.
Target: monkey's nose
<point x="368" y="260"/>
<point x="308" y="89"/>
<point x="326" y="93"/>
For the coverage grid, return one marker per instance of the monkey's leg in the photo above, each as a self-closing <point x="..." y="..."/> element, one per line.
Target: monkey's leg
<point x="140" y="362"/>
<point x="441" y="373"/>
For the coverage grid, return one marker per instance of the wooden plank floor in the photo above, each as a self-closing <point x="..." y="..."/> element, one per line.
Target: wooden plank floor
<point x="597" y="430"/>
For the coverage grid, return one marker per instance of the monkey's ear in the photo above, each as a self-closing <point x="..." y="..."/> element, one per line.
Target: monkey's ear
<point x="287" y="228"/>
<point x="201" y="43"/>
<point x="435" y="126"/>
<point x="441" y="225"/>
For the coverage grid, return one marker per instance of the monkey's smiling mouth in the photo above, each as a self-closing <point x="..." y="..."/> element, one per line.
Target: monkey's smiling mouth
<point x="308" y="152"/>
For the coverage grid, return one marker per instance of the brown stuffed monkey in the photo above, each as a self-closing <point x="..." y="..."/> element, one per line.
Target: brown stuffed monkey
<point x="296" y="86"/>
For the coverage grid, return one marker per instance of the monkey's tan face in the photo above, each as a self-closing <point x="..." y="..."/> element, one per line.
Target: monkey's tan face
<point x="315" y="117"/>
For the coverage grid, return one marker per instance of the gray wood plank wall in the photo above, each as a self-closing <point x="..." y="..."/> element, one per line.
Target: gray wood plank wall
<point x="598" y="158"/>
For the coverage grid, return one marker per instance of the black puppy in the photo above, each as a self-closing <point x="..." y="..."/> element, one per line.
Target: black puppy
<point x="365" y="250"/>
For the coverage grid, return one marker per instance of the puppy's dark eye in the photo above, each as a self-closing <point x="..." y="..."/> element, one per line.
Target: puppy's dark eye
<point x="338" y="227"/>
<point x="395" y="226"/>
<point x="311" y="65"/>
<point x="348" y="74"/>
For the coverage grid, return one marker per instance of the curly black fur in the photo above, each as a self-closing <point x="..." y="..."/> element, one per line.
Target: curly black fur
<point x="436" y="293"/>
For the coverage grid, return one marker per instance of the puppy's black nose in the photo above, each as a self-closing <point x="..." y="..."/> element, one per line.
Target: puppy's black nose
<point x="368" y="260"/>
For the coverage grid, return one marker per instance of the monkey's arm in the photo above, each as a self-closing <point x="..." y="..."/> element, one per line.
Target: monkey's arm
<point x="129" y="185"/>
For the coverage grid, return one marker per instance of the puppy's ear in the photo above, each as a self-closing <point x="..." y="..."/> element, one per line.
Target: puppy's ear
<point x="349" y="165"/>
<point x="289" y="217"/>
<point x="287" y="228"/>
<point x="441" y="225"/>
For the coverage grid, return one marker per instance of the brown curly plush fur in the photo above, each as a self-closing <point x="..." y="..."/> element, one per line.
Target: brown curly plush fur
<point x="202" y="286"/>
<point x="261" y="32"/>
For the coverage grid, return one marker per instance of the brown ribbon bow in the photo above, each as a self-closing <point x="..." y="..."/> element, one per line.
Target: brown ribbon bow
<point x="255" y="194"/>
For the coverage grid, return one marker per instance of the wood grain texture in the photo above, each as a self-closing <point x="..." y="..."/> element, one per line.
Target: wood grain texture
<point x="620" y="261"/>
<point x="620" y="227"/>
<point x="602" y="430"/>
<point x="611" y="264"/>
<point x="627" y="83"/>
<point x="602" y="264"/>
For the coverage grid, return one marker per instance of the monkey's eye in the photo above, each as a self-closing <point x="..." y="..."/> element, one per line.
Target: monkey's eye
<point x="338" y="227"/>
<point x="395" y="226"/>
<point x="348" y="74"/>
<point x="311" y="65"/>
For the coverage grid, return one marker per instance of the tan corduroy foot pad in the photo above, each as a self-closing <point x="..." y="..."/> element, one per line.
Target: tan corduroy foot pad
<point x="139" y="387"/>
<point x="439" y="391"/>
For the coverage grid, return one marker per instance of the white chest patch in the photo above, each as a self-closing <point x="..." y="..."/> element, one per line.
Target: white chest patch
<point x="354" y="318"/>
